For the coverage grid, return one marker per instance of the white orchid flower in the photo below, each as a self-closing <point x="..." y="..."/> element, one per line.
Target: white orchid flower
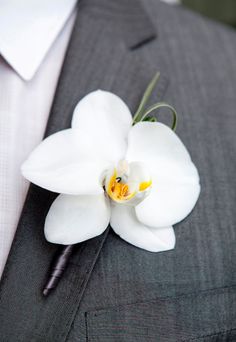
<point x="139" y="178"/>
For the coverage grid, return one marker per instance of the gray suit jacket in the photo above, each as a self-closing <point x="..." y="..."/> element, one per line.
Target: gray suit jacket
<point x="113" y="291"/>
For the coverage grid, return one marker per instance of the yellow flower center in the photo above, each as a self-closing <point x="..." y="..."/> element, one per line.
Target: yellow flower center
<point x="129" y="182"/>
<point x="117" y="190"/>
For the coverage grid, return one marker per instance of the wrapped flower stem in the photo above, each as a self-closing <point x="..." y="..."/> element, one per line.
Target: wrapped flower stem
<point x="58" y="267"/>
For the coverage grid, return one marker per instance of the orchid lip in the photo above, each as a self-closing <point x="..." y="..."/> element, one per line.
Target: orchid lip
<point x="128" y="183"/>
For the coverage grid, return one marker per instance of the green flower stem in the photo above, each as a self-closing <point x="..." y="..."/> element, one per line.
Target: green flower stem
<point x="150" y="119"/>
<point x="157" y="106"/>
<point x="144" y="115"/>
<point x="145" y="98"/>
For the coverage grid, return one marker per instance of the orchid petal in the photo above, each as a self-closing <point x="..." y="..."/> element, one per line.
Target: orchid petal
<point x="124" y="222"/>
<point x="175" y="187"/>
<point x="58" y="165"/>
<point x="73" y="219"/>
<point x="102" y="121"/>
<point x="167" y="204"/>
<point x="152" y="142"/>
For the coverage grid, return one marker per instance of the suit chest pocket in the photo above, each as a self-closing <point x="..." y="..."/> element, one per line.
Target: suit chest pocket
<point x="208" y="316"/>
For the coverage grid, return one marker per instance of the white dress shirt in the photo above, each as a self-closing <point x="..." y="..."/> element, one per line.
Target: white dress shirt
<point x="33" y="40"/>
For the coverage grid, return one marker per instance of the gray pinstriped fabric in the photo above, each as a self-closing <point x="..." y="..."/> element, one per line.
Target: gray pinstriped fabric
<point x="113" y="291"/>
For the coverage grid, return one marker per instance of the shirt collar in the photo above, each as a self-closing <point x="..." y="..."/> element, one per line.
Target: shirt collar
<point x="28" y="29"/>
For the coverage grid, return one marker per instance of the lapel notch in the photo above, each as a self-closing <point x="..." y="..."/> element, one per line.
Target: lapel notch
<point x="128" y="19"/>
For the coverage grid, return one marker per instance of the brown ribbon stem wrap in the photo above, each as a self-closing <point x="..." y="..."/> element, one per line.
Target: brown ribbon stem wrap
<point x="58" y="267"/>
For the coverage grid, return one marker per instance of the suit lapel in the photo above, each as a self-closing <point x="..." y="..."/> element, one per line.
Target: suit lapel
<point x="101" y="54"/>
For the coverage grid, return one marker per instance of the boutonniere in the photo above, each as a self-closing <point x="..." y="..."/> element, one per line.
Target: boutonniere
<point x="110" y="167"/>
